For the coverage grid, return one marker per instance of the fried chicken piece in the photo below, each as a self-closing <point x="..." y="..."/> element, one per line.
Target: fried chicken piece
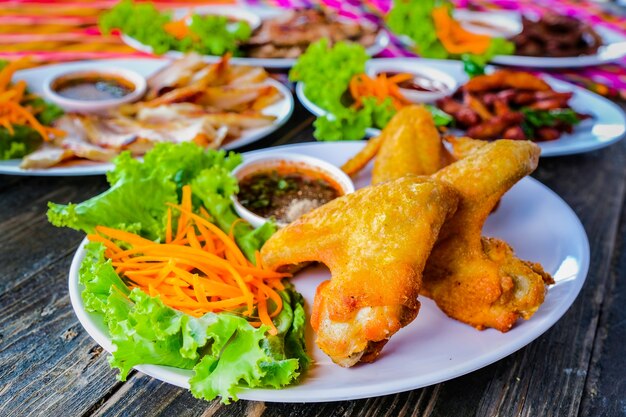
<point x="495" y="127"/>
<point x="474" y="279"/>
<point x="411" y="145"/>
<point x="503" y="79"/>
<point x="375" y="243"/>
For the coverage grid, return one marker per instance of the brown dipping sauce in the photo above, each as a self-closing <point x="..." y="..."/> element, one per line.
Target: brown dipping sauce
<point x="287" y="192"/>
<point x="420" y="83"/>
<point x="93" y="87"/>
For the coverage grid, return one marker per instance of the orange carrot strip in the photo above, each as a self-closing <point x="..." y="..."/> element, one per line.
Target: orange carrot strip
<point x="264" y="316"/>
<point x="274" y="296"/>
<point x="193" y="239"/>
<point x="168" y="226"/>
<point x="124" y="236"/>
<point x="109" y="245"/>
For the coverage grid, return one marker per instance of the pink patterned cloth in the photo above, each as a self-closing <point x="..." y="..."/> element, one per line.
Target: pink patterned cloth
<point x="608" y="80"/>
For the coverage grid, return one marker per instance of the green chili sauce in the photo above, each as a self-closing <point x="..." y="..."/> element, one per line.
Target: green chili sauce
<point x="284" y="196"/>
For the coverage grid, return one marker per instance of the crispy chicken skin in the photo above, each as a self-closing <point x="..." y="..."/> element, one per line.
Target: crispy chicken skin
<point x="474" y="279"/>
<point x="375" y="243"/>
<point x="411" y="145"/>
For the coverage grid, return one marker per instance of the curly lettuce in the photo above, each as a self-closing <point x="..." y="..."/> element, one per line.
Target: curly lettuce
<point x="20" y="140"/>
<point x="413" y="19"/>
<point x="210" y="35"/>
<point x="326" y="73"/>
<point x="140" y="190"/>
<point x="223" y="350"/>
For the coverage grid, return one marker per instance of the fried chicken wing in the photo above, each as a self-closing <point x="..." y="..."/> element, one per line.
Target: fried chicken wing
<point x="375" y="243"/>
<point x="411" y="145"/>
<point x="474" y="279"/>
<point x="503" y="79"/>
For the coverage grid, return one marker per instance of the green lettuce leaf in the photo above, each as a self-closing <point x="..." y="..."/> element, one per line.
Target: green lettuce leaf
<point x="224" y="350"/>
<point x="24" y="139"/>
<point x="352" y="125"/>
<point x="215" y="35"/>
<point x="139" y="193"/>
<point x="136" y="206"/>
<point x="21" y="142"/>
<point x="214" y="188"/>
<point x="99" y="279"/>
<point x="413" y="19"/>
<point x="326" y="72"/>
<point x="210" y="35"/>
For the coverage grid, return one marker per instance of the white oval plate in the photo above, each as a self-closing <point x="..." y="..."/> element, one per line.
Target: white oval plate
<point x="239" y="13"/>
<point x="434" y="348"/>
<point x="35" y="78"/>
<point x="381" y="42"/>
<point x="613" y="48"/>
<point x="606" y="126"/>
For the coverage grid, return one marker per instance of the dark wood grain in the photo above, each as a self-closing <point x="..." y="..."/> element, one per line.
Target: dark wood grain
<point x="29" y="243"/>
<point x="605" y="390"/>
<point x="49" y="366"/>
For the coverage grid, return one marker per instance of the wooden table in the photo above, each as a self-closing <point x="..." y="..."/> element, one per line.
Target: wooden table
<point x="49" y="365"/>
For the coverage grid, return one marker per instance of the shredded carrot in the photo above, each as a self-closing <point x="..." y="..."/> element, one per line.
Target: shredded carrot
<point x="13" y="110"/>
<point x="178" y="28"/>
<point x="454" y="38"/>
<point x="199" y="268"/>
<point x="380" y="88"/>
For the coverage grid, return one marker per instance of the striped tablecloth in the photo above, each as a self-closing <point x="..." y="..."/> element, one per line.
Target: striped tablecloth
<point x="67" y="30"/>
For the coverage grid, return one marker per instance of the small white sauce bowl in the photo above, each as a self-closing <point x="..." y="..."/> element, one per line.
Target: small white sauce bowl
<point x="95" y="106"/>
<point x="447" y="82"/>
<point x="268" y="162"/>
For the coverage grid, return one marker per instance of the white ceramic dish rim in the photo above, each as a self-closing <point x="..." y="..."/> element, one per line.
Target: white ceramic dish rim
<point x="253" y="19"/>
<point x="11" y="167"/>
<point x="270" y="159"/>
<point x="561" y="147"/>
<point x="381" y="42"/>
<point x="375" y="67"/>
<point x="68" y="104"/>
<point x="179" y="377"/>
<point x="613" y="49"/>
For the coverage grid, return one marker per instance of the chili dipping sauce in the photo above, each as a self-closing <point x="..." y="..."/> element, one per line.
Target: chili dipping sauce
<point x="93" y="87"/>
<point x="285" y="193"/>
<point x="420" y="82"/>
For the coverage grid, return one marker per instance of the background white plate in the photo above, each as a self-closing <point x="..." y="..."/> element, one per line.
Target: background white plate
<point x="381" y="42"/>
<point x="613" y="48"/>
<point x="35" y="78"/>
<point x="607" y="125"/>
<point x="434" y="348"/>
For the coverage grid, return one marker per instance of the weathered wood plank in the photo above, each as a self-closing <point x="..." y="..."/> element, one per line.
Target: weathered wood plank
<point x="49" y="365"/>
<point x="7" y="181"/>
<point x="130" y="401"/>
<point x="29" y="243"/>
<point x="548" y="377"/>
<point x="42" y="344"/>
<point x="605" y="391"/>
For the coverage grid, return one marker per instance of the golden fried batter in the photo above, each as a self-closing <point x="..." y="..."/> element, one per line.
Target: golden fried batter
<point x="479" y="280"/>
<point x="409" y="144"/>
<point x="375" y="243"/>
<point x="506" y="79"/>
